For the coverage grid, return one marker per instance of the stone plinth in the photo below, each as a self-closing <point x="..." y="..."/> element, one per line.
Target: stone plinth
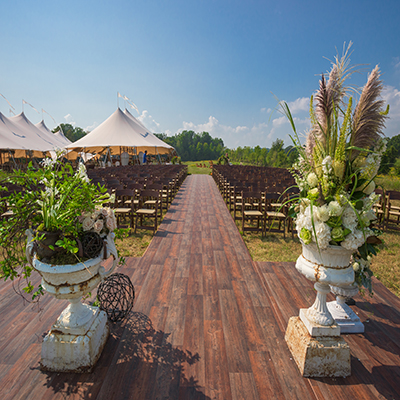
<point x="320" y="356"/>
<point x="63" y="352"/>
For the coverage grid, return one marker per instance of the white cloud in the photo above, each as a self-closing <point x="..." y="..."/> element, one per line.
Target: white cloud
<point x="235" y="136"/>
<point x="396" y="62"/>
<point x="68" y="118"/>
<point x="279" y="121"/>
<point x="391" y="96"/>
<point x="149" y="122"/>
<point x="91" y="127"/>
<point x="300" y="104"/>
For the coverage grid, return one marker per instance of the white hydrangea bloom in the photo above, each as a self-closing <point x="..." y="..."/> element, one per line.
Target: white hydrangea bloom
<point x="349" y="218"/>
<point x="323" y="235"/>
<point x="335" y="209"/>
<point x="355" y="239"/>
<point x="323" y="213"/>
<point x="312" y="180"/>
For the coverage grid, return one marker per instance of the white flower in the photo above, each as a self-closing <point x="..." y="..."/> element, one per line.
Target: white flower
<point x="323" y="235"/>
<point x="98" y="225"/>
<point x="356" y="266"/>
<point x="355" y="239"/>
<point x="349" y="218"/>
<point x="111" y="224"/>
<point x="48" y="163"/>
<point x="304" y="203"/>
<point x="323" y="213"/>
<point x="327" y="165"/>
<point x="87" y="224"/>
<point x="312" y="180"/>
<point x="335" y="210"/>
<point x="372" y="199"/>
<point x="367" y="217"/>
<point x="81" y="172"/>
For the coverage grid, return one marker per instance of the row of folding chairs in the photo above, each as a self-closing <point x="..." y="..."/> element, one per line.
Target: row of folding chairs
<point x="143" y="202"/>
<point x="387" y="210"/>
<point x="138" y="207"/>
<point x="259" y="203"/>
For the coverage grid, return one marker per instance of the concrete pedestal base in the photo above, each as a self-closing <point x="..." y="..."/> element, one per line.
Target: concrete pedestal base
<point x="63" y="352"/>
<point x="321" y="356"/>
<point x="345" y="317"/>
<point x="315" y="329"/>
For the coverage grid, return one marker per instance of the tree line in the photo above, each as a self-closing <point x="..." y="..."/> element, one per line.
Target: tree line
<point x="390" y="162"/>
<point x="71" y="132"/>
<point x="192" y="146"/>
<point x="277" y="156"/>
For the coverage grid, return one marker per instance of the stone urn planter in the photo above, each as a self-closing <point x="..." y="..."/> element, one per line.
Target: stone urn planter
<point x="313" y="338"/>
<point x="344" y="316"/>
<point x="330" y="266"/>
<point x="77" y="338"/>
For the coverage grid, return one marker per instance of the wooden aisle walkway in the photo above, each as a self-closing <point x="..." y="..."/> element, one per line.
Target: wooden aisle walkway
<point x="207" y="323"/>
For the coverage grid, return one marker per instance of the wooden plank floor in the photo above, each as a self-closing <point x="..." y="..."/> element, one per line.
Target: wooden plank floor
<point x="208" y="323"/>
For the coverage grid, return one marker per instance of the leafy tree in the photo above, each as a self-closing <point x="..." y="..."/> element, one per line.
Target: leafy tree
<point x="193" y="146"/>
<point x="276" y="157"/>
<point x="73" y="134"/>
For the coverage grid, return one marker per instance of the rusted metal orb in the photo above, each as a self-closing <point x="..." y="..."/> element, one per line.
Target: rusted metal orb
<point x="92" y="244"/>
<point x="116" y="295"/>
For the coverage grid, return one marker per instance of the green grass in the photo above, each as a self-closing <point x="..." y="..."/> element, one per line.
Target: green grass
<point x="194" y="168"/>
<point x="388" y="182"/>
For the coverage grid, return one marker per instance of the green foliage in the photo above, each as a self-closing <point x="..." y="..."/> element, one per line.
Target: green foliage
<point x="395" y="170"/>
<point x="277" y="156"/>
<point x="390" y="156"/>
<point x="52" y="199"/>
<point x="72" y="133"/>
<point x="193" y="146"/>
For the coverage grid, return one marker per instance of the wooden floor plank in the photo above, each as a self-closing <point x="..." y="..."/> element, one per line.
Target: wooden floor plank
<point x="207" y="323"/>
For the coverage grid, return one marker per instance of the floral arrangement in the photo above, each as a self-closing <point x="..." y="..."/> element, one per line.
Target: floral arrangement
<point x="101" y="221"/>
<point x="52" y="199"/>
<point x="337" y="166"/>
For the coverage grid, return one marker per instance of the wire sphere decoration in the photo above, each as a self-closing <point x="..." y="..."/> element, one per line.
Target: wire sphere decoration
<point x="116" y="295"/>
<point x="92" y="244"/>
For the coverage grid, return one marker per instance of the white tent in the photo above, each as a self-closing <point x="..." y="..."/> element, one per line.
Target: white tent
<point x="23" y="137"/>
<point x="59" y="136"/>
<point x="121" y="133"/>
<point x="43" y="134"/>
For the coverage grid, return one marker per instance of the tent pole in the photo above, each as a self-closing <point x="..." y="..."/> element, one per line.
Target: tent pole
<point x="159" y="157"/>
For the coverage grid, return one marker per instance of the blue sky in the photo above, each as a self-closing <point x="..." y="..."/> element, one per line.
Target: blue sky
<point x="203" y="65"/>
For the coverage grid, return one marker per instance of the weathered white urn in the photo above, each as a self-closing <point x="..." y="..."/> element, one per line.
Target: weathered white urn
<point x="330" y="266"/>
<point x="344" y="316"/>
<point x="77" y="338"/>
<point x="313" y="338"/>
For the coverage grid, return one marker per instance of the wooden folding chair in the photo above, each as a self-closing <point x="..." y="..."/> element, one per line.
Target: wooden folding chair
<point x="149" y="203"/>
<point x="122" y="209"/>
<point x="393" y="210"/>
<point x="273" y="213"/>
<point x="251" y="211"/>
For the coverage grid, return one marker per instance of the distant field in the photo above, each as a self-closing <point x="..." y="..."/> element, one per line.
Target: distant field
<point x="199" y="167"/>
